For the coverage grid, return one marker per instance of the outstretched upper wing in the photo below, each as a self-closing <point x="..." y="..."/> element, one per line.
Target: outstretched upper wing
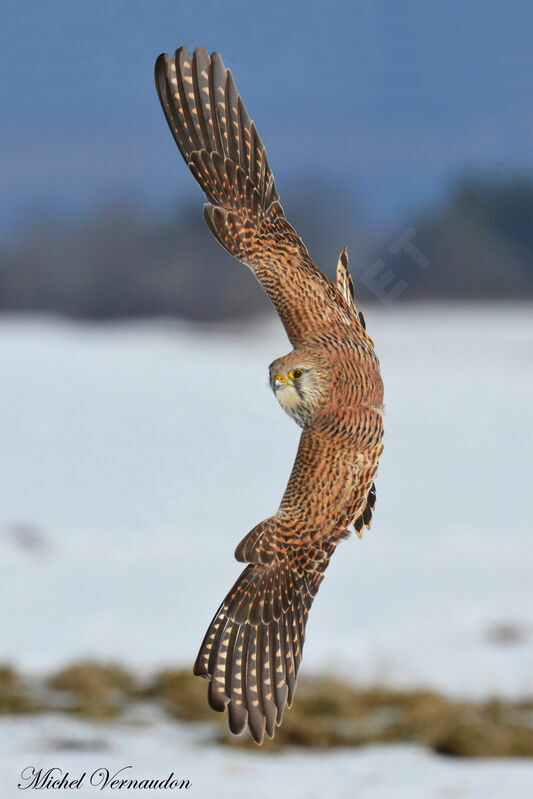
<point x="226" y="156"/>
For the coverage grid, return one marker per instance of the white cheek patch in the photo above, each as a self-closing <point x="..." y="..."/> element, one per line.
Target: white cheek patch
<point x="288" y="397"/>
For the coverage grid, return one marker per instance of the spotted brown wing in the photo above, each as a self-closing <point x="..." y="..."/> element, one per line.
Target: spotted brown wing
<point x="223" y="150"/>
<point x="253" y="647"/>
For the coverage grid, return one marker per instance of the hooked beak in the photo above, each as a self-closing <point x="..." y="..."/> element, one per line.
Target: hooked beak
<point x="278" y="381"/>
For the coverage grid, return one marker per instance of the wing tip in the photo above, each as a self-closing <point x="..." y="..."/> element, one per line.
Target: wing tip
<point x="161" y="73"/>
<point x="344" y="257"/>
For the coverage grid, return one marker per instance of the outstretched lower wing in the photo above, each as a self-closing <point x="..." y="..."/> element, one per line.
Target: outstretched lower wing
<point x="331" y="488"/>
<point x="253" y="647"/>
<point x="223" y="150"/>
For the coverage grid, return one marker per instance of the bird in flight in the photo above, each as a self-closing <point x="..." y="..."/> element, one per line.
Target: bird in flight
<point x="329" y="383"/>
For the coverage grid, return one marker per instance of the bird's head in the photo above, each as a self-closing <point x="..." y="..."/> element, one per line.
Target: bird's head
<point x="298" y="382"/>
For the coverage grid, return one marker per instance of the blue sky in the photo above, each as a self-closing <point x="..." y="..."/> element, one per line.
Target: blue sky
<point x="392" y="99"/>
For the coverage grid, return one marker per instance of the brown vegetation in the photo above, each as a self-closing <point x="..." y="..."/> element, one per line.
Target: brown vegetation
<point x="326" y="713"/>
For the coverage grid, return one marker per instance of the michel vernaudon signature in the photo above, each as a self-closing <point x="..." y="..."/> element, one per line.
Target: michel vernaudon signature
<point x="54" y="778"/>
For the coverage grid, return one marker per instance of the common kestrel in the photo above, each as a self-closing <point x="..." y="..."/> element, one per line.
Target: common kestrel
<point x="329" y="383"/>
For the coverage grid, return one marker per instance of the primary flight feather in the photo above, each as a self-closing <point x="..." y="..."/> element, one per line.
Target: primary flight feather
<point x="329" y="383"/>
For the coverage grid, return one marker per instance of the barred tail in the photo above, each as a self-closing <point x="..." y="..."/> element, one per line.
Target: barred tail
<point x="220" y="145"/>
<point x="253" y="648"/>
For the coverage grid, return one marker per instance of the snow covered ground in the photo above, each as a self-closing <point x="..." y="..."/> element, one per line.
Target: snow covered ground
<point x="380" y="772"/>
<point x="135" y="457"/>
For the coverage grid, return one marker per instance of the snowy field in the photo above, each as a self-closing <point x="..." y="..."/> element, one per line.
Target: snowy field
<point x="135" y="457"/>
<point x="378" y="772"/>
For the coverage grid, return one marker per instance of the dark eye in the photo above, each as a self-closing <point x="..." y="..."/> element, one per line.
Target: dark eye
<point x="296" y="374"/>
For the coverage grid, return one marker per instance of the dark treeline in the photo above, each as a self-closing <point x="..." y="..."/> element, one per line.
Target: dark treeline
<point x="123" y="263"/>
